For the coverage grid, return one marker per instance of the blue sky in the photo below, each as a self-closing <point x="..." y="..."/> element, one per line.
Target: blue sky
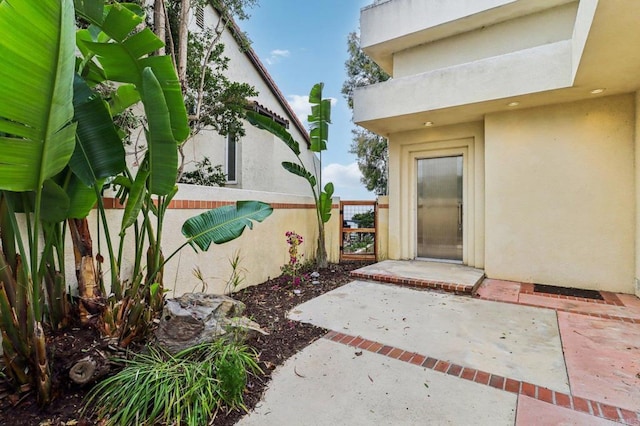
<point x="304" y="42"/>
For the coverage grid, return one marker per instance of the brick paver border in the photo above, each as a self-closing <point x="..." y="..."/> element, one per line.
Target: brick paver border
<point x="518" y="387"/>
<point x="414" y="282"/>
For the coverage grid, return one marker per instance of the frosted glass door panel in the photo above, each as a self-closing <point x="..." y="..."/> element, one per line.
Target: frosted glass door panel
<point x="440" y="208"/>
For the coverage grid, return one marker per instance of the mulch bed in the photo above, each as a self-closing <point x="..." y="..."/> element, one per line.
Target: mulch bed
<point x="267" y="304"/>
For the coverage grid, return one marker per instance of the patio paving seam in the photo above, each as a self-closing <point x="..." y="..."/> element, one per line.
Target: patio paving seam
<point x="506" y="384"/>
<point x="571" y="311"/>
<point x="413" y="282"/>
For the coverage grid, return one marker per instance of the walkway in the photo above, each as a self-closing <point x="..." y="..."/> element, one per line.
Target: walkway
<point x="404" y="356"/>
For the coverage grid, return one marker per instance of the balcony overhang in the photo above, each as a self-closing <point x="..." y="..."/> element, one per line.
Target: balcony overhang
<point x="603" y="53"/>
<point x="392" y="26"/>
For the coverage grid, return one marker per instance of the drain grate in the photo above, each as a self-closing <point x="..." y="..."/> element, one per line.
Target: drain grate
<point x="567" y="291"/>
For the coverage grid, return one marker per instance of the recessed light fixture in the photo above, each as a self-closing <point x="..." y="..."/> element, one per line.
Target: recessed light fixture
<point x="428" y="123"/>
<point x="513" y="104"/>
<point x="596" y="91"/>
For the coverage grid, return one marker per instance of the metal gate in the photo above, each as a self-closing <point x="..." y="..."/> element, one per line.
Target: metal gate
<point x="359" y="222"/>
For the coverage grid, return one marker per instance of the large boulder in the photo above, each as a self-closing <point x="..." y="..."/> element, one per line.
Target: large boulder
<point x="199" y="317"/>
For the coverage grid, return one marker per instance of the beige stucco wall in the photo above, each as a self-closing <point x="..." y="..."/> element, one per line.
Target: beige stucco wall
<point x="404" y="150"/>
<point x="382" y="228"/>
<point x="548" y="26"/>
<point x="637" y="183"/>
<point x="263" y="249"/>
<point x="560" y="195"/>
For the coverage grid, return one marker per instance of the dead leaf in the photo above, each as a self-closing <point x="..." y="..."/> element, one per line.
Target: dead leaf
<point x="297" y="374"/>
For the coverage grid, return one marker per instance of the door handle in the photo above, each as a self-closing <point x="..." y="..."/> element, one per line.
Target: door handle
<point x="459" y="216"/>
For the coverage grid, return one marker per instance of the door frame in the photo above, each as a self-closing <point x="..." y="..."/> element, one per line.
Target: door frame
<point x="473" y="187"/>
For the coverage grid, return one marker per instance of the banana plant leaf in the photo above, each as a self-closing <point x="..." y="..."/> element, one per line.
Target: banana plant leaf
<point x="99" y="152"/>
<point x="56" y="201"/>
<point x="274" y="128"/>
<point x="125" y="60"/>
<point x="224" y="223"/>
<point x="81" y="197"/>
<point x="124" y="96"/>
<point x="326" y="202"/>
<point x="319" y="119"/>
<point x="36" y="110"/>
<point x="163" y="153"/>
<point x="298" y="170"/>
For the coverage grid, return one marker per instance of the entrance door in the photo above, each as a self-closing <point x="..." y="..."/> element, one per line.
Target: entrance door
<point x="440" y="208"/>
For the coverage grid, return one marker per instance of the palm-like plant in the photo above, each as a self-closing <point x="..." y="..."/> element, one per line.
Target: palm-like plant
<point x="319" y="121"/>
<point x="58" y="144"/>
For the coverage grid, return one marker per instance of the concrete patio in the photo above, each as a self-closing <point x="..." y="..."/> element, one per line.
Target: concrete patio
<point x="405" y="356"/>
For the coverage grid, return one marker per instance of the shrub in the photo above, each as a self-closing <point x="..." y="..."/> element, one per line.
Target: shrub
<point x="189" y="387"/>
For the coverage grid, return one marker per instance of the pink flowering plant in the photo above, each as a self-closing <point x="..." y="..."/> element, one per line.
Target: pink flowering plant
<point x="292" y="268"/>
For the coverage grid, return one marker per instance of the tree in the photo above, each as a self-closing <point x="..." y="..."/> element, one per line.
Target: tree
<point x="319" y="121"/>
<point x="371" y="149"/>
<point x="365" y="220"/>
<point x="212" y="99"/>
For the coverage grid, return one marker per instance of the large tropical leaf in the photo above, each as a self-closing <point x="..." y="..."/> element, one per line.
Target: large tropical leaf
<point x="36" y="90"/>
<point x="99" y="152"/>
<point x="163" y="150"/>
<point x="326" y="202"/>
<point x="274" y="128"/>
<point x="125" y="57"/>
<point x="224" y="223"/>
<point x="81" y="197"/>
<point x="298" y="170"/>
<point x="319" y="119"/>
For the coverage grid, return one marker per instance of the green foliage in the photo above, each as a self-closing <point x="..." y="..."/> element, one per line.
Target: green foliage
<point x="364" y="220"/>
<point x="223" y="100"/>
<point x="370" y="148"/>
<point x="38" y="139"/>
<point x="59" y="145"/>
<point x="224" y="223"/>
<point x="187" y="388"/>
<point x="319" y="121"/>
<point x="205" y="174"/>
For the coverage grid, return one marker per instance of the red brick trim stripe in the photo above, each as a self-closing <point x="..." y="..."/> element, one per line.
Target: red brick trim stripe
<point x="383" y="206"/>
<point x="113" y="203"/>
<point x="518" y="387"/>
<point x="413" y="282"/>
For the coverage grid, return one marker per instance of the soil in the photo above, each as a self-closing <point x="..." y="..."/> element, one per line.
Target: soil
<point x="267" y="304"/>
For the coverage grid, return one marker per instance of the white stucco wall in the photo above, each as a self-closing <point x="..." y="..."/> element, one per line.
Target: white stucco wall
<point x="259" y="154"/>
<point x="560" y="194"/>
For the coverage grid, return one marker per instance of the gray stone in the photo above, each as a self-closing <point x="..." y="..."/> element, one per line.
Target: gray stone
<point x="198" y="317"/>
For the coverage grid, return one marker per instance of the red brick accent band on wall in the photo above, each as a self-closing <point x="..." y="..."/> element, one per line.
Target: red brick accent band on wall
<point x="113" y="203"/>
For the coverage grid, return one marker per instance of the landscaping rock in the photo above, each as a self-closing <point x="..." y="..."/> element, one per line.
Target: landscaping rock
<point x="199" y="317"/>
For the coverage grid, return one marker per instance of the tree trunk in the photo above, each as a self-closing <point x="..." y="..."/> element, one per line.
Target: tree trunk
<point x="321" y="253"/>
<point x="183" y="42"/>
<point x="159" y="23"/>
<point x="92" y="302"/>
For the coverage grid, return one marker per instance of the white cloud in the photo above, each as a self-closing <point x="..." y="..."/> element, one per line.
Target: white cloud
<point x="276" y="55"/>
<point x="346" y="181"/>
<point x="302" y="108"/>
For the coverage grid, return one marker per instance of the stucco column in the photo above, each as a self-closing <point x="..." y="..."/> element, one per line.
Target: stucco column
<point x="382" y="231"/>
<point x="637" y="179"/>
